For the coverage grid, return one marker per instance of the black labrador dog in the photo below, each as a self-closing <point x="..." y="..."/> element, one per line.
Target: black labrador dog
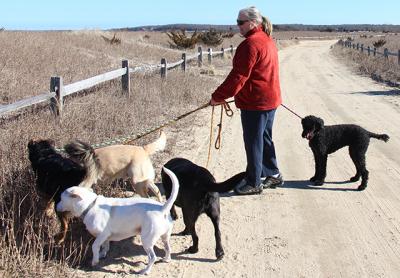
<point x="54" y="173"/>
<point x="198" y="193"/>
<point x="324" y="140"/>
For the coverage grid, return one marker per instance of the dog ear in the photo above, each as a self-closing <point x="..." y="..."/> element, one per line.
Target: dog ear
<point x="74" y="194"/>
<point x="319" y="124"/>
<point x="31" y="142"/>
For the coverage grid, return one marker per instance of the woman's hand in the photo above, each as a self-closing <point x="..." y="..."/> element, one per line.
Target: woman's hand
<point x="213" y="102"/>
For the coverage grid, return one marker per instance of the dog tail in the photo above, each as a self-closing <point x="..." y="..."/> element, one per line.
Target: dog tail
<point x="174" y="193"/>
<point x="227" y="185"/>
<point x="383" y="137"/>
<point x="84" y="153"/>
<point x="157" y="145"/>
<point x="79" y="150"/>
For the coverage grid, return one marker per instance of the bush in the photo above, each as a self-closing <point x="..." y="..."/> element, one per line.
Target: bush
<point x="113" y="40"/>
<point x="229" y="34"/>
<point x="181" y="41"/>
<point x="379" y="43"/>
<point x="212" y="38"/>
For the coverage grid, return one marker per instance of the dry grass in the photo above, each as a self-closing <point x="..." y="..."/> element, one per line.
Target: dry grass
<point x="378" y="67"/>
<point x="29" y="59"/>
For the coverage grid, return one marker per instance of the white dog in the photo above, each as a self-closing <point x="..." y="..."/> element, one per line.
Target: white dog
<point x="114" y="219"/>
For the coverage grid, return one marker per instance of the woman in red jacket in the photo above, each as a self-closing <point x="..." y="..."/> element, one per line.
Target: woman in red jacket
<point x="254" y="83"/>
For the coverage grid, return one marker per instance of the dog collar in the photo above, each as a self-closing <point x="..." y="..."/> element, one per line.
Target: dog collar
<point x="83" y="215"/>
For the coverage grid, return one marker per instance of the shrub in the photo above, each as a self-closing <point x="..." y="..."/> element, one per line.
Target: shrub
<point x="229" y="34"/>
<point x="379" y="43"/>
<point x="181" y="41"/>
<point x="113" y="40"/>
<point x="212" y="38"/>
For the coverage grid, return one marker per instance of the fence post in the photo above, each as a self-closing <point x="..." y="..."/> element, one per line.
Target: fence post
<point x="223" y="52"/>
<point x="232" y="49"/>
<point x="362" y="48"/>
<point x="398" y="57"/>
<point x="210" y="55"/>
<point x="125" y="79"/>
<point x="374" y="51"/>
<point x="56" y="103"/>
<point x="369" y="50"/>
<point x="358" y="46"/>
<point x="385" y="53"/>
<point x="200" y="57"/>
<point x="183" y="65"/>
<point x="163" y="70"/>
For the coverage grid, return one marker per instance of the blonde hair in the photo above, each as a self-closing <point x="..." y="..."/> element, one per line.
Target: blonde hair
<point x="253" y="14"/>
<point x="267" y="25"/>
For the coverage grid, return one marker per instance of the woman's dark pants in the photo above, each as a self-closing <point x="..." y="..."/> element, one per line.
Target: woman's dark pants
<point x="260" y="149"/>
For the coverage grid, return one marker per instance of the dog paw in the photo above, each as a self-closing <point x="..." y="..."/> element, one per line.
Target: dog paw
<point x="94" y="262"/>
<point x="318" y="182"/>
<point x="312" y="179"/>
<point x="145" y="272"/>
<point x="193" y="250"/>
<point x="184" y="233"/>
<point x="166" y="259"/>
<point x="59" y="239"/>
<point x="361" y="187"/>
<point x="219" y="254"/>
<point x="355" y="178"/>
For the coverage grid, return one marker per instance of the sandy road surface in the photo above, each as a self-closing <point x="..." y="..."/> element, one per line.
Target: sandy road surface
<point x="297" y="230"/>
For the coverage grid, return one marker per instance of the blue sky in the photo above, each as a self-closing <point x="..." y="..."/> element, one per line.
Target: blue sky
<point x="99" y="14"/>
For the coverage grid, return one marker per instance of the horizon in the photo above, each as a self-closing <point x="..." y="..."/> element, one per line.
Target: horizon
<point x="90" y="14"/>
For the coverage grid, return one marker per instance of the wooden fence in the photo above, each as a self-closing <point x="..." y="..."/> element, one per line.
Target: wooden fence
<point x="371" y="50"/>
<point x="58" y="90"/>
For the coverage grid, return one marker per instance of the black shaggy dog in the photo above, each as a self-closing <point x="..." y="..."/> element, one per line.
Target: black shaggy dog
<point x="328" y="139"/>
<point x="198" y="193"/>
<point x="54" y="173"/>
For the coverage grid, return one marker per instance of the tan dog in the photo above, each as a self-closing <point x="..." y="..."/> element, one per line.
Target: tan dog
<point x="119" y="161"/>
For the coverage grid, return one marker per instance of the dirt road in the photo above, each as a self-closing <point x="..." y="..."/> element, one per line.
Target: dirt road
<point x="297" y="230"/>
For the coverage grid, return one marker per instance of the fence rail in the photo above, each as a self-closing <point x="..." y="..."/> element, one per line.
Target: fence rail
<point x="58" y="91"/>
<point x="370" y="50"/>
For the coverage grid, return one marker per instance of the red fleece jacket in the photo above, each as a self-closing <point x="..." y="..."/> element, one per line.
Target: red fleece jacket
<point x="254" y="78"/>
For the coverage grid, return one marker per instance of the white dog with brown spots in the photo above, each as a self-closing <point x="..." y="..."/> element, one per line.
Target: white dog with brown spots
<point x="114" y="219"/>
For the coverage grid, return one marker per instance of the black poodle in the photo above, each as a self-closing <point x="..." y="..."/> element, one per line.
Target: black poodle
<point x="197" y="194"/>
<point x="328" y="139"/>
<point x="54" y="174"/>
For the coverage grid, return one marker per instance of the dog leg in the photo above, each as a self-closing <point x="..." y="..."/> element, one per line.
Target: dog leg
<point x="141" y="188"/>
<point x="364" y="180"/>
<point x="190" y="220"/>
<point x="155" y="190"/>
<point x="165" y="239"/>
<point x="63" y="217"/>
<point x="174" y="215"/>
<point x="320" y="169"/>
<point x="358" y="157"/>
<point x="213" y="214"/>
<point x="104" y="249"/>
<point x="152" y="258"/>
<point x="100" y="239"/>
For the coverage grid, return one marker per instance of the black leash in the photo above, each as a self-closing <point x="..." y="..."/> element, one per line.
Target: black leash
<point x="291" y="111"/>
